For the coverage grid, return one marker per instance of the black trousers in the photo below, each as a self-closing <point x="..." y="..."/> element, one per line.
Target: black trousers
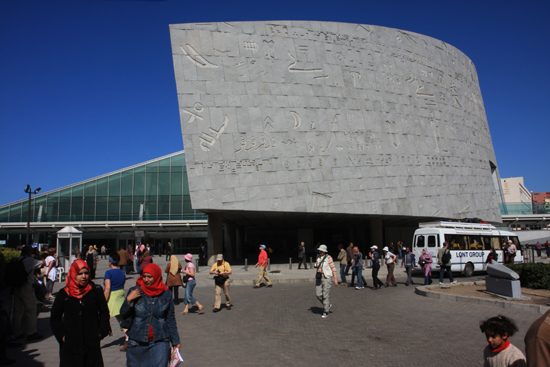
<point x="347" y="268"/>
<point x="175" y="295"/>
<point x="302" y="260"/>
<point x="375" y="269"/>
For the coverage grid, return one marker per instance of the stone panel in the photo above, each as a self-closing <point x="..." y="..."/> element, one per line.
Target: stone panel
<point x="331" y="117"/>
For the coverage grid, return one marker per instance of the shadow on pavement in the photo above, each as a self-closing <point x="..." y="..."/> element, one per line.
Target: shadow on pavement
<point x="118" y="342"/>
<point x="316" y="310"/>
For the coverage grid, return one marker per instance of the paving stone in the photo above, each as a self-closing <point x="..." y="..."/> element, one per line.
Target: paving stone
<point x="282" y="326"/>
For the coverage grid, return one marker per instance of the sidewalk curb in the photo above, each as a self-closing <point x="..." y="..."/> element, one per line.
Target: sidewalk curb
<point x="429" y="292"/>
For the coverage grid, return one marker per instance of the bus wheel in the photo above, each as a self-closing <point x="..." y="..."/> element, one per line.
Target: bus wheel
<point x="469" y="270"/>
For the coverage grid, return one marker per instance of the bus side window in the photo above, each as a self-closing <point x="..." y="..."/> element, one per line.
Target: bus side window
<point x="456" y="242"/>
<point x="475" y="243"/>
<point x="419" y="241"/>
<point x="432" y="241"/>
<point x="495" y="243"/>
<point x="486" y="242"/>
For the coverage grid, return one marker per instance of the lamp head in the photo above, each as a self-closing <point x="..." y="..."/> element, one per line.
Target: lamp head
<point x="37" y="190"/>
<point x="27" y="188"/>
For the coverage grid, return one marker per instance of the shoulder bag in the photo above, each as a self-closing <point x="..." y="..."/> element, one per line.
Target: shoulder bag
<point x="319" y="274"/>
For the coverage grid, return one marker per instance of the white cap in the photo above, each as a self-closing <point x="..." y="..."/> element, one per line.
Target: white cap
<point x="375" y="247"/>
<point x="386" y="249"/>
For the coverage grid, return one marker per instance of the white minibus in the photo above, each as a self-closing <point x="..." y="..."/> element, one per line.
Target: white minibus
<point x="469" y="244"/>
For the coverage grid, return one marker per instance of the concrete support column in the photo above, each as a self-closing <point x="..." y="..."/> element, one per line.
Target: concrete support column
<point x="215" y="236"/>
<point x="240" y="238"/>
<point x="376" y="233"/>
<point x="230" y="239"/>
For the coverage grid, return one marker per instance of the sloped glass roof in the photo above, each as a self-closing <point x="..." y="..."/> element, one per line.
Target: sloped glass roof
<point x="153" y="190"/>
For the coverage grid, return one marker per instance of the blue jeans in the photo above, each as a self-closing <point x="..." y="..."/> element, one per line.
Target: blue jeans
<point x="359" y="272"/>
<point x="427" y="280"/>
<point x="152" y="354"/>
<point x="343" y="272"/>
<point x="188" y="294"/>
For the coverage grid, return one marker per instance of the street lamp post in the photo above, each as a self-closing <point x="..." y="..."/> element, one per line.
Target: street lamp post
<point x="30" y="192"/>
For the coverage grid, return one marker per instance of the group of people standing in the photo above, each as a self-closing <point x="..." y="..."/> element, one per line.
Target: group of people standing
<point x="352" y="258"/>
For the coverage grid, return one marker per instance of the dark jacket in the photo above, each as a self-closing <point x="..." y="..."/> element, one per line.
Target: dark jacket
<point x="156" y="311"/>
<point x="83" y="324"/>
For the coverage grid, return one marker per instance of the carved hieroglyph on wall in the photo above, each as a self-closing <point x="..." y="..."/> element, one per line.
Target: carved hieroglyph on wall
<point x="331" y="117"/>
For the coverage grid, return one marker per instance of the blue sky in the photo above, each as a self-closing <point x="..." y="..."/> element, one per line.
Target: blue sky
<point x="87" y="87"/>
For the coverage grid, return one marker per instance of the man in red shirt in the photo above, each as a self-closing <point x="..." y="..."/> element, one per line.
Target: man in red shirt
<point x="262" y="263"/>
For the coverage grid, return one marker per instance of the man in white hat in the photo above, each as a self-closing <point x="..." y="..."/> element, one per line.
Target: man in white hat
<point x="375" y="257"/>
<point x="512" y="249"/>
<point x="389" y="259"/>
<point x="221" y="269"/>
<point x="325" y="275"/>
<point x="262" y="263"/>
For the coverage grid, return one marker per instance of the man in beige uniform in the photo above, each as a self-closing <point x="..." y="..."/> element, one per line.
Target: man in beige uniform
<point x="221" y="269"/>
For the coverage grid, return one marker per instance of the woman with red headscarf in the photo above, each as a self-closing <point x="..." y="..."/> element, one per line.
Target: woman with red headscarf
<point x="148" y="311"/>
<point x="80" y="319"/>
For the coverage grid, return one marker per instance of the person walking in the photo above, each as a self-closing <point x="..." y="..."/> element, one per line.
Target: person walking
<point x="302" y="256"/>
<point x="80" y="319"/>
<point x="149" y="309"/>
<point x="375" y="257"/>
<point x="389" y="259"/>
<point x="50" y="272"/>
<point x="168" y="251"/>
<point x="145" y="260"/>
<point x="349" y="252"/>
<point x="425" y="262"/>
<point x="444" y="260"/>
<point x="547" y="249"/>
<point x="262" y="263"/>
<point x="408" y="261"/>
<point x="188" y="298"/>
<point x="114" y="281"/>
<point x="130" y="265"/>
<point x="103" y="252"/>
<point x="538" y="248"/>
<point x="173" y="277"/>
<point x="324" y="277"/>
<point x="343" y="258"/>
<point x="124" y="257"/>
<point x="357" y="264"/>
<point x="92" y="258"/>
<point x="221" y="269"/>
<point x="24" y="299"/>
<point x="492" y="257"/>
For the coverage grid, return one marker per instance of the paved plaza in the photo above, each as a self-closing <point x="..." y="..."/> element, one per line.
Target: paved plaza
<point x="282" y="326"/>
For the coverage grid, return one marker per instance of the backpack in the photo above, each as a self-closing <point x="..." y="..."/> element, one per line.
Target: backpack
<point x="495" y="256"/>
<point x="16" y="275"/>
<point x="446" y="257"/>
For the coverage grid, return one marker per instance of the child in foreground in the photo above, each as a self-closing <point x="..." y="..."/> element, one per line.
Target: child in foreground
<point x="499" y="352"/>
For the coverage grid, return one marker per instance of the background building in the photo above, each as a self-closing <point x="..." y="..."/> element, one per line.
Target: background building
<point x="517" y="199"/>
<point x="541" y="202"/>
<point x="329" y="132"/>
<point x="147" y="203"/>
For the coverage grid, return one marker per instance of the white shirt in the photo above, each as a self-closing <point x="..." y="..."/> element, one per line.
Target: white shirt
<point x="389" y="258"/>
<point x="53" y="271"/>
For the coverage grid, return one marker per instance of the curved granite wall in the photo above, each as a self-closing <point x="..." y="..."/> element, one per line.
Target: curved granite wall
<point x="331" y="117"/>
